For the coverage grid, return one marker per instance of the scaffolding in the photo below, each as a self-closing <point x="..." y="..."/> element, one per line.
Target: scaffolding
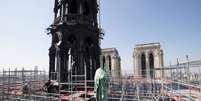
<point x="177" y="82"/>
<point x="29" y="85"/>
<point x="76" y="87"/>
<point x="14" y="82"/>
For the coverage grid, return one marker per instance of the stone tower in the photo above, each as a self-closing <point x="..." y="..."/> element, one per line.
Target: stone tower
<point x="75" y="39"/>
<point x="112" y="60"/>
<point x="147" y="58"/>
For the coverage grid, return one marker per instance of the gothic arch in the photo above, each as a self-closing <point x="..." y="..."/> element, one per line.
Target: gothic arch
<point x="89" y="42"/>
<point x="143" y="65"/>
<point x="103" y="61"/>
<point x="109" y="61"/>
<point x="73" y="7"/>
<point x="151" y="64"/>
<point x="86" y="10"/>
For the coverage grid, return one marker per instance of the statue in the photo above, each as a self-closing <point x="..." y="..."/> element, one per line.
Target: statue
<point x="101" y="83"/>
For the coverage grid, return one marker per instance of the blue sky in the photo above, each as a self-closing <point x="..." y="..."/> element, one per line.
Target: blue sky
<point x="176" y="24"/>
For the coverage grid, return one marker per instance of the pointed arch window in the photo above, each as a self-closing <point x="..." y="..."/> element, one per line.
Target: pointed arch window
<point x="103" y="63"/>
<point x="86" y="10"/>
<point x="151" y="64"/>
<point x="143" y="65"/>
<point x="110" y="63"/>
<point x="73" y="7"/>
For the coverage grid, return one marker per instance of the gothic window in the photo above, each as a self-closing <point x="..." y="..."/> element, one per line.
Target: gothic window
<point x="103" y="62"/>
<point x="110" y="63"/>
<point x="89" y="42"/>
<point x="86" y="10"/>
<point x="73" y="7"/>
<point x="58" y="38"/>
<point x="151" y="64"/>
<point x="143" y="65"/>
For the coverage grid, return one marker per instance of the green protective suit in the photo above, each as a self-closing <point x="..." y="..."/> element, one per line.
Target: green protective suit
<point x="101" y="84"/>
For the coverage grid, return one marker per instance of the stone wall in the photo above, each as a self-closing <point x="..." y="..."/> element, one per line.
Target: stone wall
<point x="153" y="60"/>
<point x="112" y="60"/>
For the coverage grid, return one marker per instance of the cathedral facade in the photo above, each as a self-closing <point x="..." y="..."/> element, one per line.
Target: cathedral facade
<point x="112" y="61"/>
<point x="148" y="60"/>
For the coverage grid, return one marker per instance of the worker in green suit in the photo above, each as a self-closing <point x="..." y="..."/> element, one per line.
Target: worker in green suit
<point x="101" y="82"/>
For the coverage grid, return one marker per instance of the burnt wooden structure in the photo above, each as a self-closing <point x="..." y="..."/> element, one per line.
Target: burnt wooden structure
<point x="74" y="32"/>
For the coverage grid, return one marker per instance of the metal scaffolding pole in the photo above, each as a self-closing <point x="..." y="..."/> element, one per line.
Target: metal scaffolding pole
<point x="188" y="76"/>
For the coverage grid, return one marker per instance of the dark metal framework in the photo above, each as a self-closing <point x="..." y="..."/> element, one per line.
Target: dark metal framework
<point x="74" y="32"/>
